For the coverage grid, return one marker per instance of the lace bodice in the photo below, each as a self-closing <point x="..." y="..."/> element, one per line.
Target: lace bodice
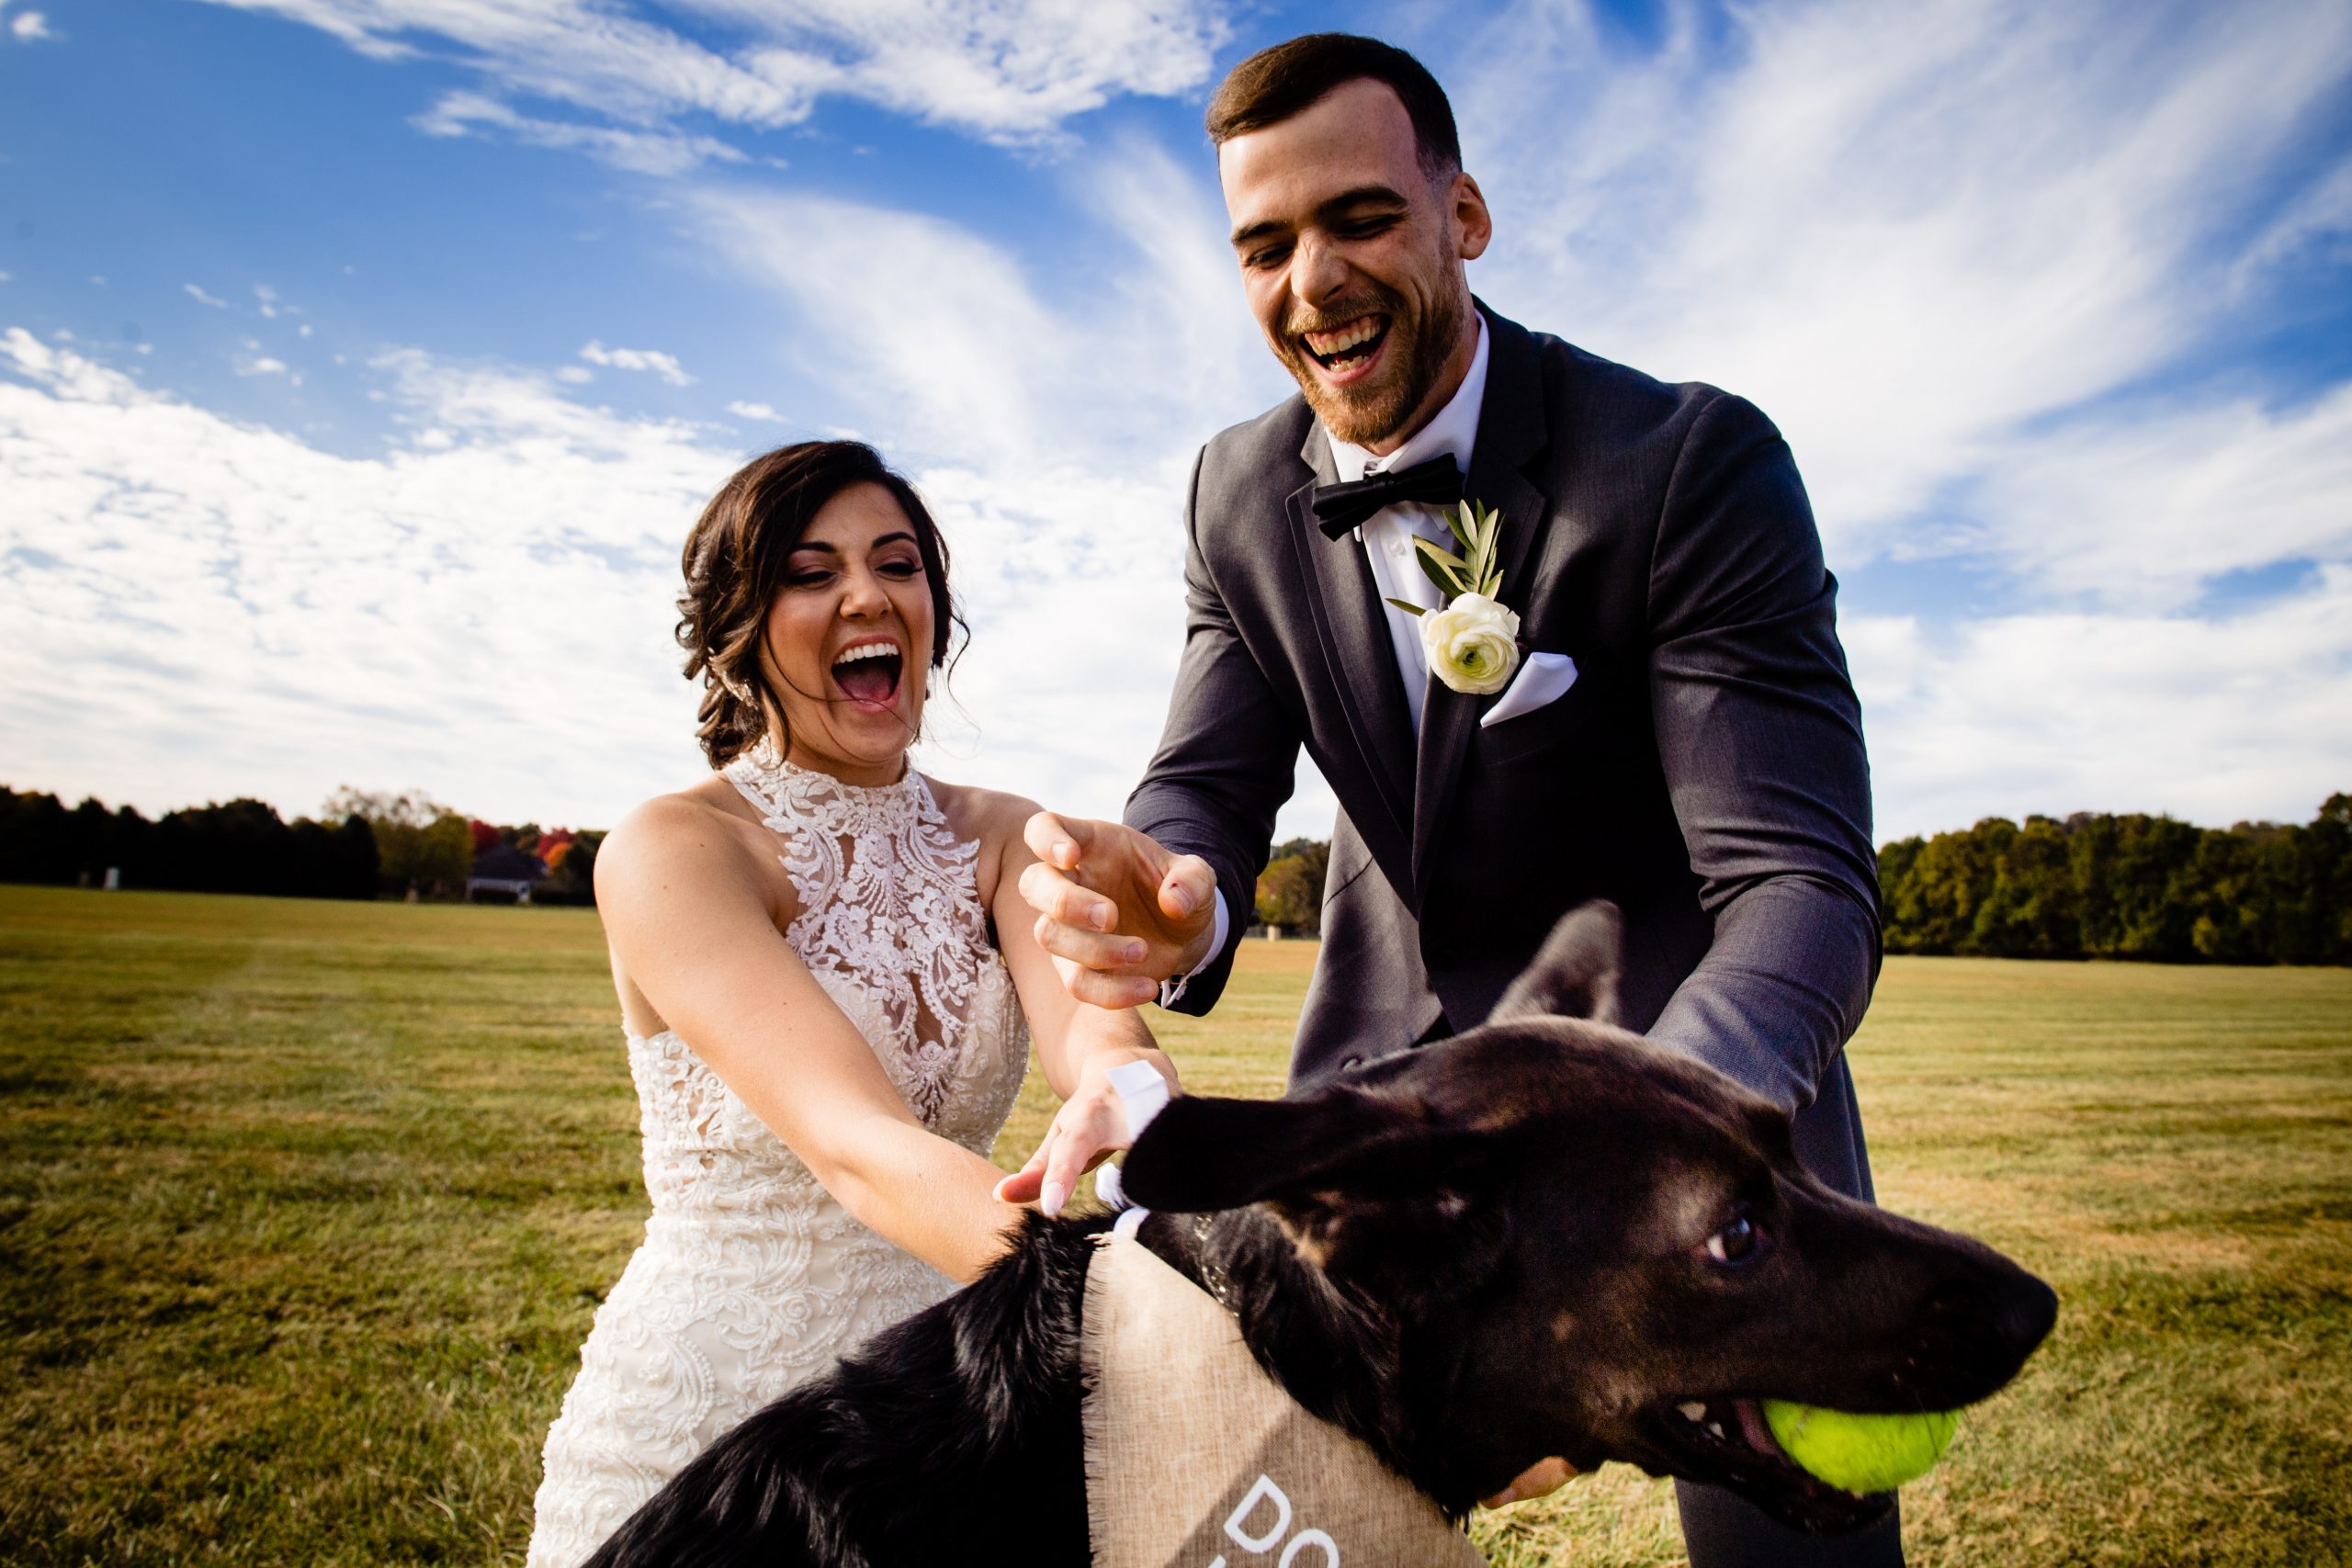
<point x="752" y="1277"/>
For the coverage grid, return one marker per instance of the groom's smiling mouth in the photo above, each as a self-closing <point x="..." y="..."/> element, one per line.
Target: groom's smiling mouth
<point x="1346" y="349"/>
<point x="867" y="672"/>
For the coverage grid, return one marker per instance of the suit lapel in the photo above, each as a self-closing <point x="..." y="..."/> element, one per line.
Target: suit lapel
<point x="1511" y="432"/>
<point x="1349" y="619"/>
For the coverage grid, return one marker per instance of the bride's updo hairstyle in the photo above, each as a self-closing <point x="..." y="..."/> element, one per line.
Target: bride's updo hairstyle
<point x="735" y="567"/>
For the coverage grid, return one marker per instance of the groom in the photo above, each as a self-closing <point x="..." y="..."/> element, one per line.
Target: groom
<point x="1680" y="735"/>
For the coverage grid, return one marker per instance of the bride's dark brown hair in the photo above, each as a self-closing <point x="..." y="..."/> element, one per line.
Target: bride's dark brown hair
<point x="734" y="563"/>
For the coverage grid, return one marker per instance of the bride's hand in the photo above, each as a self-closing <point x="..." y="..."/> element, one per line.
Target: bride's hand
<point x="1118" y="911"/>
<point x="1092" y="1125"/>
<point x="1541" y="1479"/>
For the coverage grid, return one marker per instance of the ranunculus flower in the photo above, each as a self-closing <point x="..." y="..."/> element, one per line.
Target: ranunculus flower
<point x="1473" y="644"/>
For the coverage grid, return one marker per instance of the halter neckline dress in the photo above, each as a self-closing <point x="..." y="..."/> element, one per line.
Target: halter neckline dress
<point x="752" y="1277"/>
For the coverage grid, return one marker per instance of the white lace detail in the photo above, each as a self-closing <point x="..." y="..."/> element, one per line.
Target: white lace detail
<point x="752" y="1277"/>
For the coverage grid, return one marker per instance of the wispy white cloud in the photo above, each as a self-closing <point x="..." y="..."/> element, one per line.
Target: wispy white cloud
<point x="277" y="618"/>
<point x="658" y="153"/>
<point x="29" y="27"/>
<point x="205" y="607"/>
<point x="201" y="298"/>
<point x="2141" y="508"/>
<point x="1008" y="71"/>
<point x="930" y="326"/>
<point x="937" y="336"/>
<point x="2316" y="226"/>
<point x="663" y="365"/>
<point x="760" y="412"/>
<point x="2214" y="720"/>
<point x="1960" y="253"/>
<point x="1906" y="233"/>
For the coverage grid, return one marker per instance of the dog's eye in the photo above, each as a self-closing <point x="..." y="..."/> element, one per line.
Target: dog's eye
<point x="1737" y="1242"/>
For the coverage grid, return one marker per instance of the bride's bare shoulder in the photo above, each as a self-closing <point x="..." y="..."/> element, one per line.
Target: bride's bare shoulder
<point x="705" y="826"/>
<point x="988" y="815"/>
<point x="993" y="817"/>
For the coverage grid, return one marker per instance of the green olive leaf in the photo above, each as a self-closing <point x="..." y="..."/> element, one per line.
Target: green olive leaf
<point x="1409" y="607"/>
<point x="1459" y="525"/>
<point x="1448" y="584"/>
<point x="1431" y="547"/>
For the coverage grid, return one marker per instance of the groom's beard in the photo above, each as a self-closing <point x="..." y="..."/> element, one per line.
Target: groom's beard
<point x="1414" y="356"/>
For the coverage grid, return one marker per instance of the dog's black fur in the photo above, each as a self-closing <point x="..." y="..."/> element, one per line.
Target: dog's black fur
<point x="1473" y="1256"/>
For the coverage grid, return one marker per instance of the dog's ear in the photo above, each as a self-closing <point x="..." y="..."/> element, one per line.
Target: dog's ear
<point x="1575" y="975"/>
<point x="1202" y="1153"/>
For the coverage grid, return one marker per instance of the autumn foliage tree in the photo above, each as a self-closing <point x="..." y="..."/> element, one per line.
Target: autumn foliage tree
<point x="1290" y="890"/>
<point x="421" y="845"/>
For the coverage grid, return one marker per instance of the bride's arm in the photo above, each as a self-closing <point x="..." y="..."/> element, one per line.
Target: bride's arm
<point x="691" y="926"/>
<point x="1077" y="1044"/>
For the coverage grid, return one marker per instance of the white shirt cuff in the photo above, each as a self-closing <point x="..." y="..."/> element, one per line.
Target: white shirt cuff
<point x="1173" y="991"/>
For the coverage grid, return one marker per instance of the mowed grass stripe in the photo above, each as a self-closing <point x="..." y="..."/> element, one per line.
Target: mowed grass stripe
<point x="304" y="1209"/>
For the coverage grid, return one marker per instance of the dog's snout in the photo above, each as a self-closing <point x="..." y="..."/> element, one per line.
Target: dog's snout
<point x="1975" y="1329"/>
<point x="2028" y="1311"/>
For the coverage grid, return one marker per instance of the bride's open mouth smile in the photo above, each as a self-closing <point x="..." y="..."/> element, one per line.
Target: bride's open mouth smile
<point x="1347" y="353"/>
<point x="867" y="671"/>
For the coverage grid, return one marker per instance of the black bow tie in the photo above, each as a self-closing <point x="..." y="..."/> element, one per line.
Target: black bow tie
<point x="1437" y="483"/>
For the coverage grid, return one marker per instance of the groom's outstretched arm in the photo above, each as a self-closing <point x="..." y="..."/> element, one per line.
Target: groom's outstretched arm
<point x="1760" y="738"/>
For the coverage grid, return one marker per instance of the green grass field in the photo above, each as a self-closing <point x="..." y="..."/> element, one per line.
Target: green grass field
<point x="304" y="1209"/>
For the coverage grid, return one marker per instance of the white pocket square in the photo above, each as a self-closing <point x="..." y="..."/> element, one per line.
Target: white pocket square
<point x="1543" y="678"/>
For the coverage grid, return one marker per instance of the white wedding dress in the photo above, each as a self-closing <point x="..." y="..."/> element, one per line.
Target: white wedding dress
<point x="752" y="1277"/>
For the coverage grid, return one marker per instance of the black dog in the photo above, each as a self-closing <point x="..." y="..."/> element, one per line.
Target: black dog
<point x="1543" y="1236"/>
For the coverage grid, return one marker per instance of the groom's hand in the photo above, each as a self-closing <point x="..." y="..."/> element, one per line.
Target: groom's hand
<point x="1118" y="912"/>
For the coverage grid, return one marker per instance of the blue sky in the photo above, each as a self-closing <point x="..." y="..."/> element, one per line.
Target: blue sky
<point x="363" y="361"/>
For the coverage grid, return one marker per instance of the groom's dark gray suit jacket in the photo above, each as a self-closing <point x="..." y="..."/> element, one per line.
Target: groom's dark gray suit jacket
<point x="1705" y="770"/>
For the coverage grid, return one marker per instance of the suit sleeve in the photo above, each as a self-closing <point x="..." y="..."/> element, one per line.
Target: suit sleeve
<point x="1225" y="758"/>
<point x="1760" y="738"/>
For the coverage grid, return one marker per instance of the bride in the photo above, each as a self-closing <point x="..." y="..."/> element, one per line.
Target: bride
<point x="824" y="966"/>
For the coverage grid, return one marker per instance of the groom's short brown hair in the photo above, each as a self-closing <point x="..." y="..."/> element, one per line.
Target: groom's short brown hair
<point x="1275" y="84"/>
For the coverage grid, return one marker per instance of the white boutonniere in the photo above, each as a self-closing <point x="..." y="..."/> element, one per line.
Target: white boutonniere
<point x="1473" y="641"/>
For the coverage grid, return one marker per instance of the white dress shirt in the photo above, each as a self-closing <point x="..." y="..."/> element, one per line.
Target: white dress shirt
<point x="1388" y="534"/>
<point x="1388" y="538"/>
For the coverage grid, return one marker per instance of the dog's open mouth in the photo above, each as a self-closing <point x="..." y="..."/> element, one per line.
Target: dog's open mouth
<point x="868" y="674"/>
<point x="1725" y="1441"/>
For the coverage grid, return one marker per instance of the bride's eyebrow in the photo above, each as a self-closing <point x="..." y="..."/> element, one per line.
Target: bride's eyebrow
<point x="901" y="537"/>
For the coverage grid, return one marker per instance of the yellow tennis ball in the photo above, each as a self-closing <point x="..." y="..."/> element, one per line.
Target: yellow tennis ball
<point x="1861" y="1453"/>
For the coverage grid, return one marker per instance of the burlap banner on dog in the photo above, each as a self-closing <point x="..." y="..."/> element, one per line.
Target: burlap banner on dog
<point x="1195" y="1458"/>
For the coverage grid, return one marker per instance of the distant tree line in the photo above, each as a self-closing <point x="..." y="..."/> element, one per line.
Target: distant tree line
<point x="2132" y="887"/>
<point x="363" y="845"/>
<point x="241" y="846"/>
<point x="2092" y="885"/>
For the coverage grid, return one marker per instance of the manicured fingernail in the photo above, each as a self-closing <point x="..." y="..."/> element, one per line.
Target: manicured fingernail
<point x="1134" y="953"/>
<point x="1050" y="1200"/>
<point x="1146" y="990"/>
<point x="1103" y="916"/>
